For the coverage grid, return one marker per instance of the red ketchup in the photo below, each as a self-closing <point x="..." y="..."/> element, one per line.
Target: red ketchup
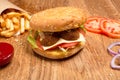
<point x="6" y="53"/>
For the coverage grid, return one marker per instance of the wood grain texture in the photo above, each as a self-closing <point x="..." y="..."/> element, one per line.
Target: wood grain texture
<point x="92" y="63"/>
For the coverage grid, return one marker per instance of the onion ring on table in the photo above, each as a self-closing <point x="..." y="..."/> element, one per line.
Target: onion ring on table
<point x="119" y="51"/>
<point x="111" y="46"/>
<point x="113" y="64"/>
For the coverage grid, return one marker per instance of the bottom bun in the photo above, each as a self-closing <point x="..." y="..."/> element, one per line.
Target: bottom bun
<point x="58" y="54"/>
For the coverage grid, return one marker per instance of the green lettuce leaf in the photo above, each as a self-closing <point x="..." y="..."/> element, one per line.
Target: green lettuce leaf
<point x="32" y="41"/>
<point x="82" y="27"/>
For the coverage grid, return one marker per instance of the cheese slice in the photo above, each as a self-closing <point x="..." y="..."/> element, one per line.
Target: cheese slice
<point x="60" y="41"/>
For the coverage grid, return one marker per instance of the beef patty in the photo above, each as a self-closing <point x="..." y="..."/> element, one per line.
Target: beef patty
<point x="72" y="34"/>
<point x="51" y="38"/>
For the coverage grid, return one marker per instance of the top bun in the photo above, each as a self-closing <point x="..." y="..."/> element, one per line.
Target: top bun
<point x="58" y="19"/>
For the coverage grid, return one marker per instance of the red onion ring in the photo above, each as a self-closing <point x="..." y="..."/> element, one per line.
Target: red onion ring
<point x="112" y="45"/>
<point x="119" y="51"/>
<point x="113" y="65"/>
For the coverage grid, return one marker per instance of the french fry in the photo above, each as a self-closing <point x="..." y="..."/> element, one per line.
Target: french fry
<point x="2" y="22"/>
<point x="7" y="33"/>
<point x="15" y="20"/>
<point x="27" y="24"/>
<point x="12" y="14"/>
<point x="26" y="15"/>
<point x="9" y="24"/>
<point x="22" y="29"/>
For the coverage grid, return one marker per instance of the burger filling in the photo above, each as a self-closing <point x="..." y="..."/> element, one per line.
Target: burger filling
<point x="57" y="40"/>
<point x="50" y="38"/>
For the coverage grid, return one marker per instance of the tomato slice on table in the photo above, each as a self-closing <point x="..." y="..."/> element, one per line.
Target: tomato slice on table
<point x="111" y="28"/>
<point x="93" y="24"/>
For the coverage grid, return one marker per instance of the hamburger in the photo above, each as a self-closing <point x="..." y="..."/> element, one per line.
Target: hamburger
<point x="57" y="33"/>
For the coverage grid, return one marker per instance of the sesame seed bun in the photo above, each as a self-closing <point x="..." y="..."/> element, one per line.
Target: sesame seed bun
<point x="58" y="54"/>
<point x="58" y="19"/>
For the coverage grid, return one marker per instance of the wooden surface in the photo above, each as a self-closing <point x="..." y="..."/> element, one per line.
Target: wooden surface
<point x="92" y="63"/>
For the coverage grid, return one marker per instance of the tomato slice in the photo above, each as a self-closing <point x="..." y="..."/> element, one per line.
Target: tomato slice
<point x="111" y="28"/>
<point x="93" y="24"/>
<point x="38" y="43"/>
<point x="68" y="45"/>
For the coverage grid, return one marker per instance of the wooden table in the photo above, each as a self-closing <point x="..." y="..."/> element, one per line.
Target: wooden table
<point x="92" y="63"/>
